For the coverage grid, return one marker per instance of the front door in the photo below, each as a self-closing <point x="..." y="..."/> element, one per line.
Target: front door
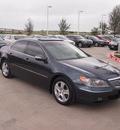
<point x="37" y="71"/>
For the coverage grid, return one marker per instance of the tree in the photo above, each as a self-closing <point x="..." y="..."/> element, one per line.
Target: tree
<point x="29" y="27"/>
<point x="104" y="27"/>
<point x="64" y="26"/>
<point x="95" y="31"/>
<point x="114" y="20"/>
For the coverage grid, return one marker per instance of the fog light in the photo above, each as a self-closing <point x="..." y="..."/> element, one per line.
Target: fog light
<point x="99" y="99"/>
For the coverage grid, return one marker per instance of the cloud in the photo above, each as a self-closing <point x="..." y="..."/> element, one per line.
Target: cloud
<point x="14" y="14"/>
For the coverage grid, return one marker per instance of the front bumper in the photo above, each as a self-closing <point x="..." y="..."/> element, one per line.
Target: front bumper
<point x="102" y="44"/>
<point x="96" y="95"/>
<point x="113" y="47"/>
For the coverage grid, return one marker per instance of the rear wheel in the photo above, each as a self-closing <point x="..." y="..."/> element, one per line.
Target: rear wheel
<point x="63" y="91"/>
<point x="6" y="69"/>
<point x="89" y="45"/>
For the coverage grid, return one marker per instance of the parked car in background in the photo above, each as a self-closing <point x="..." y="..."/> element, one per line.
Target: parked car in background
<point x="62" y="38"/>
<point x="113" y="45"/>
<point x="117" y="37"/>
<point x="109" y="37"/>
<point x="12" y="38"/>
<point x="2" y="42"/>
<point x="3" y="35"/>
<point x="37" y="36"/>
<point x="79" y="41"/>
<point x="101" y="37"/>
<point x="96" y="42"/>
<point x="89" y="42"/>
<point x="66" y="71"/>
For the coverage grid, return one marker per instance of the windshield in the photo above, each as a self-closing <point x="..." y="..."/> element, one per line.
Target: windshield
<point x="60" y="51"/>
<point x="1" y="39"/>
<point x="62" y="37"/>
<point x="79" y="37"/>
<point x="95" y="38"/>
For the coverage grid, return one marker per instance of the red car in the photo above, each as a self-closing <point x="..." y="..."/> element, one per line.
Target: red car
<point x="102" y="38"/>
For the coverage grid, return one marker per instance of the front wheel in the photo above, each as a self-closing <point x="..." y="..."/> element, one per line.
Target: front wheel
<point x="96" y="44"/>
<point x="80" y="45"/>
<point x="5" y="69"/>
<point x="63" y="91"/>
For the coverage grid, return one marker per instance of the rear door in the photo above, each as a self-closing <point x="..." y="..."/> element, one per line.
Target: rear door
<point x="16" y="57"/>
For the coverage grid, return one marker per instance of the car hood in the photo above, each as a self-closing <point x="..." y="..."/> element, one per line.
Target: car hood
<point x="113" y="43"/>
<point x="101" y="40"/>
<point x="97" y="67"/>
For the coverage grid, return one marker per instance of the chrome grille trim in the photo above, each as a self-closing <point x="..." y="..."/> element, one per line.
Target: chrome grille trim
<point x="114" y="78"/>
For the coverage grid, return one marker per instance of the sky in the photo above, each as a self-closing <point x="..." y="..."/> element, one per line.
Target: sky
<point x="14" y="13"/>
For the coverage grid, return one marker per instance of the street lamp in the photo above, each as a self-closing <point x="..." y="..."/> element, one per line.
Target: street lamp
<point x="102" y="22"/>
<point x="79" y="21"/>
<point x="48" y="16"/>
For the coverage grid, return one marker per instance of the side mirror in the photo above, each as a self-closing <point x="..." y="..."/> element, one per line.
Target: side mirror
<point x="41" y="58"/>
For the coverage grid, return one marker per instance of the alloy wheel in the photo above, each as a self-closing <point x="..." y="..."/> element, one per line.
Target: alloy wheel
<point x="61" y="91"/>
<point x="5" y="69"/>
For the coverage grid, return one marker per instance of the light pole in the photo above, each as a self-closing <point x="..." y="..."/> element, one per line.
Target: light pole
<point x="48" y="16"/>
<point x="102" y="22"/>
<point x="79" y="21"/>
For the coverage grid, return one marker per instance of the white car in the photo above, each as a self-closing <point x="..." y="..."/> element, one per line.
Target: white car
<point x="11" y="38"/>
<point x="62" y="38"/>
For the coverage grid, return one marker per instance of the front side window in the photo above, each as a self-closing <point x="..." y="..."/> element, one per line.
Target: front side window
<point x="34" y="49"/>
<point x="95" y="38"/>
<point x="19" y="46"/>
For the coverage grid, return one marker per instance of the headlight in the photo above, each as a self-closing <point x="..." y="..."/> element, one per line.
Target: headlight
<point x="91" y="82"/>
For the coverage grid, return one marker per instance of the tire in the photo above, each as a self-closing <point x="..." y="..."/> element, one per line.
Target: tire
<point x="5" y="69"/>
<point x="80" y="45"/>
<point x="89" y="46"/>
<point x="96" y="44"/>
<point x="102" y="45"/>
<point x="63" y="91"/>
<point x="110" y="48"/>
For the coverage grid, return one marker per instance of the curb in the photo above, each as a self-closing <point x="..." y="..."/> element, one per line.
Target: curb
<point x="114" y="58"/>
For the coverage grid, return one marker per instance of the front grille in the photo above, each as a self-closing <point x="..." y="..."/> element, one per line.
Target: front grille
<point x="115" y="82"/>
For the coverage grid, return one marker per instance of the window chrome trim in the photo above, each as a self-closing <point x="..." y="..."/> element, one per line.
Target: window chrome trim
<point x="117" y="87"/>
<point x="30" y="71"/>
<point x="46" y="55"/>
<point x="114" y="78"/>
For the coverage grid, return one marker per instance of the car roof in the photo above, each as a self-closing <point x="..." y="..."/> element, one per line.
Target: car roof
<point x="40" y="39"/>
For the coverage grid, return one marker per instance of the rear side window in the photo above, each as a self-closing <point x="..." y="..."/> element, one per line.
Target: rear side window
<point x="19" y="46"/>
<point x="34" y="49"/>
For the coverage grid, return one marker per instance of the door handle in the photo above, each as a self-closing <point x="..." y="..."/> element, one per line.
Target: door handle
<point x="27" y="59"/>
